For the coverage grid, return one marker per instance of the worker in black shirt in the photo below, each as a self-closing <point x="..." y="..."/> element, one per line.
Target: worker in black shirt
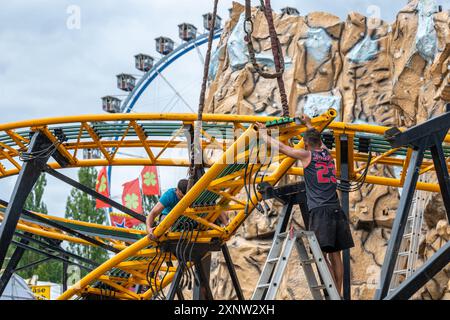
<point x="326" y="218"/>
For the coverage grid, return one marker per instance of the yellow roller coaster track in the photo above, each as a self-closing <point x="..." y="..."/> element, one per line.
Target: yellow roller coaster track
<point x="233" y="138"/>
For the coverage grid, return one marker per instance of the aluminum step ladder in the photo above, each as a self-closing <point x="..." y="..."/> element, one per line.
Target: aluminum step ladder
<point x="405" y="265"/>
<point x="277" y="260"/>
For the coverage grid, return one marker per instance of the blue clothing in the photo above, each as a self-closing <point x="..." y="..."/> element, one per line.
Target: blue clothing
<point x="169" y="200"/>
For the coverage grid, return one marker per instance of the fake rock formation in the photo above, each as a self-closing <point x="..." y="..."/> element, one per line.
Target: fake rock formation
<point x="371" y="71"/>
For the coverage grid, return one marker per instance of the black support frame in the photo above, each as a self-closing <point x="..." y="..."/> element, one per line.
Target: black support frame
<point x="428" y="135"/>
<point x="28" y="175"/>
<point x="232" y="272"/>
<point x="344" y="175"/>
<point x="12" y="265"/>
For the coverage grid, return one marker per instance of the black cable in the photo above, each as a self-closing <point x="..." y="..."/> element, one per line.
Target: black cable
<point x="190" y="243"/>
<point x="197" y="281"/>
<point x="247" y="190"/>
<point x="180" y="256"/>
<point x="155" y="272"/>
<point x="245" y="173"/>
<point x="265" y="172"/>
<point x="358" y="183"/>
<point x="256" y="176"/>
<point x="186" y="245"/>
<point x="163" y="296"/>
<point x="183" y="254"/>
<point x="180" y="253"/>
<point x="150" y="273"/>
<point x="40" y="154"/>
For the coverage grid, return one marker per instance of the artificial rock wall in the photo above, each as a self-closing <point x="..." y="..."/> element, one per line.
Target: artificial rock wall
<point x="370" y="71"/>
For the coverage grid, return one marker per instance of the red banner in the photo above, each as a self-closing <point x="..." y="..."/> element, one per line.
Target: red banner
<point x="150" y="183"/>
<point x="122" y="220"/>
<point x="131" y="196"/>
<point x="102" y="187"/>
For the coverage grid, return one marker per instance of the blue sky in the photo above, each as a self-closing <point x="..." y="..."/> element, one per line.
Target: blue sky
<point x="47" y="69"/>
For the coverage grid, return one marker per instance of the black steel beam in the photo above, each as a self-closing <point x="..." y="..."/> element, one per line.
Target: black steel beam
<point x="422" y="275"/>
<point x="344" y="175"/>
<point x="232" y="272"/>
<point x="203" y="271"/>
<point x="93" y="193"/>
<point x="65" y="275"/>
<point x="288" y="195"/>
<point x="175" y="286"/>
<point x="180" y="294"/>
<point x="27" y="247"/>
<point x="284" y="217"/>
<point x="32" y="264"/>
<point x="28" y="175"/>
<point x="398" y="228"/>
<point x="414" y="136"/>
<point x="440" y="166"/>
<point x="178" y="290"/>
<point x="61" y="227"/>
<point x="11" y="266"/>
<point x="47" y="246"/>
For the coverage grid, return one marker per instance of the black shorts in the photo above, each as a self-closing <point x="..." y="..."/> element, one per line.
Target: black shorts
<point x="332" y="229"/>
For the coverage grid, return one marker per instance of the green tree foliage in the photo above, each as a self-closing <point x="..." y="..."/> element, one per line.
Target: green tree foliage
<point x="149" y="202"/>
<point x="80" y="206"/>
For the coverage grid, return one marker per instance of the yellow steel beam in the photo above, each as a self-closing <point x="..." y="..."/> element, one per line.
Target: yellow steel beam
<point x="142" y="137"/>
<point x="227" y="187"/>
<point x="376" y="159"/>
<point x="320" y="123"/>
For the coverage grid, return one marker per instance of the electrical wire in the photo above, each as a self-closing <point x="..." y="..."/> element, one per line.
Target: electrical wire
<point x="357" y="184"/>
<point x="256" y="175"/>
<point x="162" y="279"/>
<point x="148" y="273"/>
<point x="40" y="154"/>
<point x="158" y="266"/>
<point x="189" y="243"/>
<point x="180" y="256"/>
<point x="247" y="189"/>
<point x="266" y="206"/>
<point x="196" y="280"/>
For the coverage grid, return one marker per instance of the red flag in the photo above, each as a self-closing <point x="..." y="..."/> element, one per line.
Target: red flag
<point x="122" y="220"/>
<point x="102" y="187"/>
<point x="150" y="183"/>
<point x="131" y="196"/>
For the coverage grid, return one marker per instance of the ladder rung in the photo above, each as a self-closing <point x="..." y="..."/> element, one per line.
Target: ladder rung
<point x="309" y="261"/>
<point x="318" y="287"/>
<point x="263" y="286"/>
<point x="272" y="260"/>
<point x="407" y="235"/>
<point x="404" y="253"/>
<point x="282" y="235"/>
<point x="401" y="271"/>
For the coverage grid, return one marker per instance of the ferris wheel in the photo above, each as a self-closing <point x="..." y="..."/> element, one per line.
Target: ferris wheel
<point x="135" y="86"/>
<point x="151" y="77"/>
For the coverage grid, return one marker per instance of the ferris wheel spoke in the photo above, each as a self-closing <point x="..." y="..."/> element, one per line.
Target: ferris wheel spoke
<point x="175" y="91"/>
<point x="200" y="55"/>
